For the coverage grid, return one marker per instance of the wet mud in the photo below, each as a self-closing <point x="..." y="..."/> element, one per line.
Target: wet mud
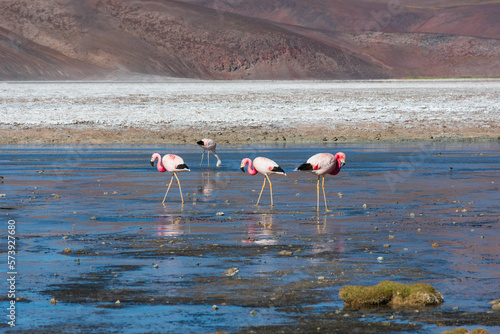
<point x="93" y="235"/>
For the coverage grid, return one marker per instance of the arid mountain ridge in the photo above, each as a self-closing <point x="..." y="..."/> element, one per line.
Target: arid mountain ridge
<point x="236" y="39"/>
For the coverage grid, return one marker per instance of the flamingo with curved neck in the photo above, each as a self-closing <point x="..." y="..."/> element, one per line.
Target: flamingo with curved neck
<point x="250" y="169"/>
<point x="208" y="145"/>
<point x="321" y="164"/>
<point x="170" y="163"/>
<point x="264" y="166"/>
<point x="159" y="165"/>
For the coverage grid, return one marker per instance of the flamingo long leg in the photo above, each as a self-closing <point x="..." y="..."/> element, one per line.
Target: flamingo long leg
<point x="261" y="191"/>
<point x="317" y="195"/>
<point x="202" y="154"/>
<point x="179" y="182"/>
<point x="208" y="155"/>
<point x="324" y="196"/>
<point x="271" y="189"/>
<point x="168" y="189"/>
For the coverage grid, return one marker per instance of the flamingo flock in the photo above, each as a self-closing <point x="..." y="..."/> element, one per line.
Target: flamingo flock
<point x="319" y="164"/>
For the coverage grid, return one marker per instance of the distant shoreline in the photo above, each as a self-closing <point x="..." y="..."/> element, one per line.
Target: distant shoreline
<point x="240" y="134"/>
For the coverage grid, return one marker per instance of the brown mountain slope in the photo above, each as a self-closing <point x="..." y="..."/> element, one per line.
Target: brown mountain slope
<point x="22" y="59"/>
<point x="292" y="39"/>
<point x="176" y="39"/>
<point x="477" y="18"/>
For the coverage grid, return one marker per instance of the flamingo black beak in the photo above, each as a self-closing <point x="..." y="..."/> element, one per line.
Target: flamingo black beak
<point x="342" y="163"/>
<point x="152" y="163"/>
<point x="242" y="168"/>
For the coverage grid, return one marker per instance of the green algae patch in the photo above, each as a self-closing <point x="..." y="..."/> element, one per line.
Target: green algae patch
<point x="388" y="293"/>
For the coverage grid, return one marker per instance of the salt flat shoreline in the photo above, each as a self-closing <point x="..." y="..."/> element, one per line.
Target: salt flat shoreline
<point x="239" y="135"/>
<point x="242" y="112"/>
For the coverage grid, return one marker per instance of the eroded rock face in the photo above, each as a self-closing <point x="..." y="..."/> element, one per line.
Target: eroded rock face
<point x="88" y="39"/>
<point x="392" y="294"/>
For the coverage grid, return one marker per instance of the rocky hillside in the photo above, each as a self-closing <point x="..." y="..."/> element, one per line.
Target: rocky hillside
<point x="235" y="39"/>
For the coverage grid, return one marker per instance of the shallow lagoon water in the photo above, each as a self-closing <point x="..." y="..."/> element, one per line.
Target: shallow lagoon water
<point x="165" y="262"/>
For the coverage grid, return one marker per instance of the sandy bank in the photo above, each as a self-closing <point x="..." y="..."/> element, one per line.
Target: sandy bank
<point x="240" y="135"/>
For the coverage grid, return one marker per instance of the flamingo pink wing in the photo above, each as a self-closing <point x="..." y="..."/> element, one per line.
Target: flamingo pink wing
<point x="322" y="163"/>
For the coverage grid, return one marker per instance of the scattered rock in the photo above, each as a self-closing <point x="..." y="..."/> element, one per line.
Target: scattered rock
<point x="118" y="302"/>
<point x="495" y="305"/>
<point x="68" y="250"/>
<point x="231" y="271"/>
<point x="390" y="293"/>
<point x="435" y="245"/>
<point x="220" y="213"/>
<point x="215" y="307"/>
<point x="285" y="252"/>
<point x="53" y="301"/>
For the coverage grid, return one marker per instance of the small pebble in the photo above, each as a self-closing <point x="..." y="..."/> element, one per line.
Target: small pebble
<point x="380" y="259"/>
<point x="215" y="307"/>
<point x="220" y="213"/>
<point x="53" y="301"/>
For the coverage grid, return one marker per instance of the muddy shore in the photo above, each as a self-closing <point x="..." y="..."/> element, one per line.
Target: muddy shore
<point x="246" y="134"/>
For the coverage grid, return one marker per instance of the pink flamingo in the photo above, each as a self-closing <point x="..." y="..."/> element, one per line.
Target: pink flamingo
<point x="208" y="145"/>
<point x="264" y="166"/>
<point x="322" y="164"/>
<point x="171" y="163"/>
